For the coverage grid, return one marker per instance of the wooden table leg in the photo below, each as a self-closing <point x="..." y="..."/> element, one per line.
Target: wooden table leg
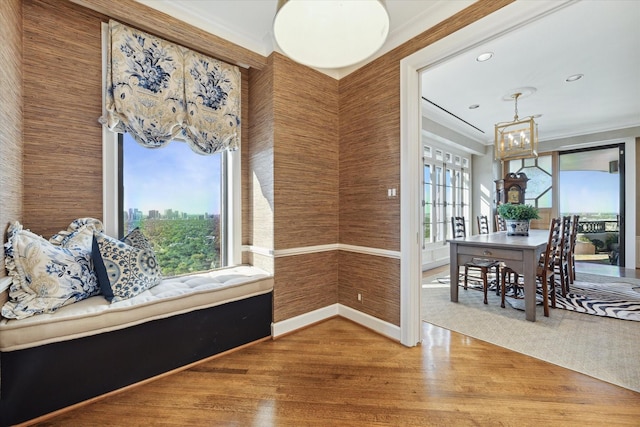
<point x="529" y="273"/>
<point x="453" y="271"/>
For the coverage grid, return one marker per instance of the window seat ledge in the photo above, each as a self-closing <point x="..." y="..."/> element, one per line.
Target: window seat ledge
<point x="171" y="297"/>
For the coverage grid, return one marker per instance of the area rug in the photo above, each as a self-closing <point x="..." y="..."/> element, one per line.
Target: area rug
<point x="614" y="297"/>
<point x="605" y="348"/>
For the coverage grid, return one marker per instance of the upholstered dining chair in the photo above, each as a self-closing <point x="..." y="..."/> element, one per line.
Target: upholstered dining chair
<point x="501" y="225"/>
<point x="545" y="270"/>
<point x="483" y="224"/>
<point x="480" y="265"/>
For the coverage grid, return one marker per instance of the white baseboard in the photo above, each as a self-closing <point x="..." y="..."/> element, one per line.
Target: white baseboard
<point x="380" y="326"/>
<point x="307" y="319"/>
<point x="303" y="320"/>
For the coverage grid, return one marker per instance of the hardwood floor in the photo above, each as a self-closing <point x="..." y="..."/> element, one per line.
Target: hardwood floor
<point x="337" y="373"/>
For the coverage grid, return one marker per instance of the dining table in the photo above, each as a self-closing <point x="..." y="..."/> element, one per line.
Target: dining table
<point x="521" y="253"/>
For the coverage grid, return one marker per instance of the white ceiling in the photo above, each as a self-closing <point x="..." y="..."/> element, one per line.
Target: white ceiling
<point x="248" y="22"/>
<point x="597" y="38"/>
<point x="600" y="39"/>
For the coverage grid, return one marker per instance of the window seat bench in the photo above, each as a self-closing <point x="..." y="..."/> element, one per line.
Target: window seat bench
<point x="92" y="347"/>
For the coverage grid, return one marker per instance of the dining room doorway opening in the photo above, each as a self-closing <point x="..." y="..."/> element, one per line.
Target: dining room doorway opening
<point x="591" y="185"/>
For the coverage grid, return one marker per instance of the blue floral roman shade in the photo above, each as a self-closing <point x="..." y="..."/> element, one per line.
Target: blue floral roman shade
<point x="157" y="90"/>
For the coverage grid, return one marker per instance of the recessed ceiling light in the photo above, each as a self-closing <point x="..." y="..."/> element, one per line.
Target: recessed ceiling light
<point x="484" y="56"/>
<point x="574" y="77"/>
<point x="474" y="106"/>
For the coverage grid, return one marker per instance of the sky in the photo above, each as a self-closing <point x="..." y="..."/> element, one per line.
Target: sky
<point x="589" y="191"/>
<point x="171" y="177"/>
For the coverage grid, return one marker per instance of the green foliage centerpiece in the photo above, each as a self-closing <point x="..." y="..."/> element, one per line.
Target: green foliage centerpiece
<point x="517" y="217"/>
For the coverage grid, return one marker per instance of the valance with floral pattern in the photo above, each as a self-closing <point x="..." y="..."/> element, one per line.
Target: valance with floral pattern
<point x="157" y="91"/>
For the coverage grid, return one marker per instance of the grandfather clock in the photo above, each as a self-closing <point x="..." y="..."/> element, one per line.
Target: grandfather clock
<point x="511" y="189"/>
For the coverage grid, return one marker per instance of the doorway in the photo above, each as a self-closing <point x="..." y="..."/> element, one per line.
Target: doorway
<point x="591" y="185"/>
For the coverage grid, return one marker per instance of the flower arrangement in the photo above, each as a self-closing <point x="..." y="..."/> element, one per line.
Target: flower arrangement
<point x="518" y="212"/>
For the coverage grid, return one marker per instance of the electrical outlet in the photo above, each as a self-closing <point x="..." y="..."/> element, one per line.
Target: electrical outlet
<point x="359" y="297"/>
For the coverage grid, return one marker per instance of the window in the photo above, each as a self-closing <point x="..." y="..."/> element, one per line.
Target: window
<point x="539" y="187"/>
<point x="446" y="193"/>
<point x="186" y="204"/>
<point x="184" y="219"/>
<point x="183" y="202"/>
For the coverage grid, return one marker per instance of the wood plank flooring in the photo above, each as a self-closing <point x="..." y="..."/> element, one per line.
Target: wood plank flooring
<point x="337" y="373"/>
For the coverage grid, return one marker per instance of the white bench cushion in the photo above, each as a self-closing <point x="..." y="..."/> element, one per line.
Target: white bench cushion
<point x="172" y="296"/>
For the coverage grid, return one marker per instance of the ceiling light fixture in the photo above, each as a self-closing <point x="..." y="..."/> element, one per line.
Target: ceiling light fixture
<point x="484" y="56"/>
<point x="330" y="33"/>
<point x="574" y="77"/>
<point x="517" y="139"/>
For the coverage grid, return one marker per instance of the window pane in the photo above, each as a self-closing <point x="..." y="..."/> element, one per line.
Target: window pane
<point x="175" y="196"/>
<point x="427" y="204"/>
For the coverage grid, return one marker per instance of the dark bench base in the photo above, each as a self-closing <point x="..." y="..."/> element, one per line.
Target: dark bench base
<point x="40" y="380"/>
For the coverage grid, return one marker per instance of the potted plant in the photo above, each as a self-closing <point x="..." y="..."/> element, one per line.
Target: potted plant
<point x="517" y="217"/>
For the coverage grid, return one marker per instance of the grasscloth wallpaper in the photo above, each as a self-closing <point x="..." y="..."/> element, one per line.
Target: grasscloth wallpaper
<point x="318" y="154"/>
<point x="370" y="164"/>
<point x="62" y="94"/>
<point x="305" y="169"/>
<point x="10" y="117"/>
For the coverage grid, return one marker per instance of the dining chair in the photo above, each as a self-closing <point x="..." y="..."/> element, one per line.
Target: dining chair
<point x="562" y="262"/>
<point x="481" y="265"/>
<point x="545" y="271"/>
<point x="501" y="225"/>
<point x="483" y="224"/>
<point x="572" y="256"/>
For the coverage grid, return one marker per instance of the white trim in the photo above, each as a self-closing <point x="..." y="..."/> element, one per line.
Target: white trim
<point x="631" y="189"/>
<point x="321" y="248"/>
<point x="234" y="197"/>
<point x="410" y="228"/>
<point x="258" y="250"/>
<point x="305" y="250"/>
<point x="380" y="326"/>
<point x="504" y="20"/>
<point x="369" y="251"/>
<point x="289" y="325"/>
<point x="5" y="282"/>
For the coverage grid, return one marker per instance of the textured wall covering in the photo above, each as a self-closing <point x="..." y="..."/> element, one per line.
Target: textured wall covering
<point x="370" y="162"/>
<point x="305" y="185"/>
<point x="62" y="97"/>
<point x="376" y="278"/>
<point x="260" y="163"/>
<point x="10" y="117"/>
<point x="294" y="167"/>
<point x="304" y="283"/>
<point x="305" y="156"/>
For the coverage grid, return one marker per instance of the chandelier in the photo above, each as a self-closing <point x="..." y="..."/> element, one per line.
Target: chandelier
<point x="517" y="139"/>
<point x="330" y="33"/>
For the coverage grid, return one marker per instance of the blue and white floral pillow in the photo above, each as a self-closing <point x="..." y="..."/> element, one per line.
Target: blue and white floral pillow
<point x="126" y="267"/>
<point x="47" y="276"/>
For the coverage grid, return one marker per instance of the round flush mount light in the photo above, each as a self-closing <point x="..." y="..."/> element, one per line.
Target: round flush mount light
<point x="484" y="56"/>
<point x="574" y="78"/>
<point x="330" y="33"/>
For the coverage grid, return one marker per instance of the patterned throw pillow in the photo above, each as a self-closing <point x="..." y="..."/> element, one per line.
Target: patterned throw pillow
<point x="125" y="268"/>
<point x="62" y="237"/>
<point x="47" y="276"/>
